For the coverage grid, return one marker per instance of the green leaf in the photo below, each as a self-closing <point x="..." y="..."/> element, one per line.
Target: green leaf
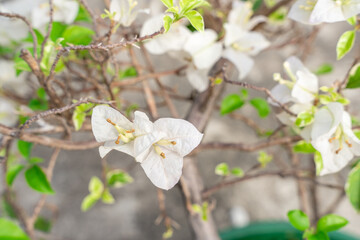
<point x="78" y="119"/>
<point x="57" y="30"/>
<point x="222" y="169"/>
<point x="88" y="202"/>
<point x="354" y="78"/>
<point x="299" y="219"/>
<point x="324" y="69"/>
<point x="20" y="66"/>
<point x="168" y="3"/>
<point x="345" y="43"/>
<point x="261" y="106"/>
<point x="42" y="224"/>
<point x="83" y="15"/>
<point x="303" y="147"/>
<point x="10" y="231"/>
<point x="238" y="172"/>
<point x="39" y="37"/>
<point x="12" y="172"/>
<point x="41" y="94"/>
<point x="168" y="233"/>
<point x="96" y="187"/>
<point x="118" y="178"/>
<point x="230" y="103"/>
<point x="264" y="159"/>
<point x="107" y="197"/>
<point x="319" y="236"/>
<point x="7" y="209"/>
<point x="38" y="105"/>
<point x="129" y="72"/>
<point x="304" y="118"/>
<point x="167" y="22"/>
<point x="25" y="148"/>
<point x="352" y="187"/>
<point x="256" y="5"/>
<point x="36" y="179"/>
<point x="352" y="21"/>
<point x="35" y="160"/>
<point x="195" y="19"/>
<point x="77" y="35"/>
<point x="318" y="162"/>
<point x="331" y="222"/>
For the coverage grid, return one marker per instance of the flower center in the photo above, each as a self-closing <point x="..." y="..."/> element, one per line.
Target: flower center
<point x="162" y="143"/>
<point x="124" y="134"/>
<point x="341" y="137"/>
<point x="240" y="48"/>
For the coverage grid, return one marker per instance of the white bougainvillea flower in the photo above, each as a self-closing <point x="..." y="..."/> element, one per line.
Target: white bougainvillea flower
<point x="303" y="84"/>
<point x="240" y="42"/>
<point x="114" y="129"/>
<point x="173" y="40"/>
<point x="204" y="51"/>
<point x="125" y="11"/>
<point x="333" y="137"/>
<point x="161" y="150"/>
<point x="64" y="11"/>
<point x="319" y="11"/>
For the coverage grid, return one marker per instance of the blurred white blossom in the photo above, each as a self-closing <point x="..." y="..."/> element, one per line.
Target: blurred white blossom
<point x="125" y="11"/>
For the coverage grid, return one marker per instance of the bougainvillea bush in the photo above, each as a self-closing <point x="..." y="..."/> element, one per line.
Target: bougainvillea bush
<point x="74" y="78"/>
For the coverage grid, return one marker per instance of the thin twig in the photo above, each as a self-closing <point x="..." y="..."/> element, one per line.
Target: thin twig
<point x="51" y="13"/>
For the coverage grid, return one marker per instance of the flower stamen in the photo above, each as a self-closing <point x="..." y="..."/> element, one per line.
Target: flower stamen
<point x="159" y="151"/>
<point x="124" y="135"/>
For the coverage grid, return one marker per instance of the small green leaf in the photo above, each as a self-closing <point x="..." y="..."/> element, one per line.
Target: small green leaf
<point x="352" y="20"/>
<point x="318" y="236"/>
<point x="77" y="35"/>
<point x="318" y="162"/>
<point x="41" y="94"/>
<point x="196" y="208"/>
<point x="230" y="103"/>
<point x="167" y="22"/>
<point x="129" y="72"/>
<point x="238" y="172"/>
<point x="168" y="3"/>
<point x="10" y="231"/>
<point x="352" y="187"/>
<point x="168" y="234"/>
<point x="261" y="106"/>
<point x="256" y="4"/>
<point x="96" y="187"/>
<point x="331" y="223"/>
<point x="25" y="148"/>
<point x="88" y="202"/>
<point x="354" y="78"/>
<point x="35" y="160"/>
<point x="107" y="197"/>
<point x="299" y="219"/>
<point x="304" y="118"/>
<point x="42" y="224"/>
<point x="78" y="119"/>
<point x="303" y="147"/>
<point x="36" y="179"/>
<point x="345" y="43"/>
<point x="7" y="209"/>
<point x="222" y="169"/>
<point x="264" y="159"/>
<point x="12" y="172"/>
<point x="57" y="30"/>
<point x="195" y="19"/>
<point x="83" y="15"/>
<point x="118" y="178"/>
<point x="324" y="69"/>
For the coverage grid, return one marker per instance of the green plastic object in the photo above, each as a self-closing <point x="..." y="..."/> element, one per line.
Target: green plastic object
<point x="274" y="231"/>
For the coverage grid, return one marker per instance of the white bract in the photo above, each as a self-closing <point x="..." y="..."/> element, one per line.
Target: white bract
<point x="159" y="147"/>
<point x="63" y="11"/>
<point x="302" y="86"/>
<point x="319" y="11"/>
<point x="125" y="11"/>
<point x="333" y="137"/>
<point x="240" y="42"/>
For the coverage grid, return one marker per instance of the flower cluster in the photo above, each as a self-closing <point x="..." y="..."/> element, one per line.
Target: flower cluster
<point x="320" y="115"/>
<point x="159" y="147"/>
<point x="201" y="50"/>
<point x="319" y="11"/>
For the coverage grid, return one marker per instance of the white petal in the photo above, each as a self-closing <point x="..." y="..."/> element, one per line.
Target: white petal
<point x="352" y="138"/>
<point x="143" y="143"/>
<point x="233" y="34"/>
<point x="252" y="43"/>
<point x="240" y="14"/>
<point x="65" y="11"/>
<point x="305" y="87"/>
<point x="207" y="57"/>
<point x="103" y="151"/>
<point x="327" y="120"/>
<point x="142" y="124"/>
<point x="243" y="63"/>
<point x="296" y="65"/>
<point x="103" y="130"/>
<point x="298" y="13"/>
<point x="281" y="93"/>
<point x="186" y="136"/>
<point x="120" y="7"/>
<point x="165" y="172"/>
<point x="326" y="11"/>
<point x="351" y="9"/>
<point x="127" y="148"/>
<point x="198" y="78"/>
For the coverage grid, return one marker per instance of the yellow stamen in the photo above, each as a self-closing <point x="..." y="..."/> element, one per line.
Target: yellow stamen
<point x="332" y="139"/>
<point x="130" y="131"/>
<point x="338" y="150"/>
<point x="109" y="121"/>
<point x="118" y="139"/>
<point x="348" y="143"/>
<point x="162" y="155"/>
<point x="173" y="142"/>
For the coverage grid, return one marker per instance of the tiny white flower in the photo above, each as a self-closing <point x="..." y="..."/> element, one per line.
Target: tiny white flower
<point x="111" y="127"/>
<point x="161" y="154"/>
<point x="333" y="137"/>
<point x="240" y="42"/>
<point x="319" y="11"/>
<point x="63" y="11"/>
<point x="125" y="11"/>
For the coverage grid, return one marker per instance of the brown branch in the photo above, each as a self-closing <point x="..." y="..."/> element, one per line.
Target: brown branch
<point x="92" y="15"/>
